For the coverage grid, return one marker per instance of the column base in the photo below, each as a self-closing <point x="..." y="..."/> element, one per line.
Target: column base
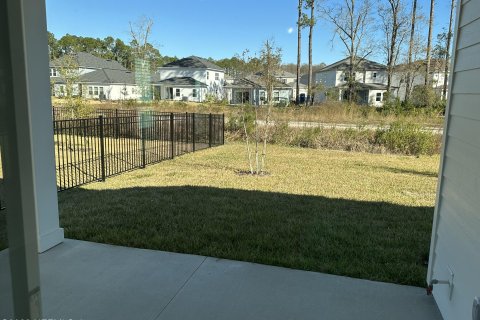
<point x="50" y="240"/>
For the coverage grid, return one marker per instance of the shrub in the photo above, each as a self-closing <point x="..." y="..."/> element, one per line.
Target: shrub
<point x="407" y="138"/>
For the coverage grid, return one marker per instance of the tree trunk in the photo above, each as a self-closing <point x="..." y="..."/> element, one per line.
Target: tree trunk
<point x="410" y="52"/>
<point x="351" y="80"/>
<point x="310" y="63"/>
<point x="299" y="50"/>
<point x="447" y="54"/>
<point x="393" y="45"/>
<point x="429" y="44"/>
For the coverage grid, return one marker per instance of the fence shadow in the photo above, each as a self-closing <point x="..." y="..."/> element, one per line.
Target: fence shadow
<point x="373" y="240"/>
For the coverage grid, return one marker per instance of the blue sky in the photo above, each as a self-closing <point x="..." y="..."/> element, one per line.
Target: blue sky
<point x="206" y="28"/>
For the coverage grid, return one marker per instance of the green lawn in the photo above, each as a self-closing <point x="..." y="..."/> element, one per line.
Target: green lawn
<point x="357" y="214"/>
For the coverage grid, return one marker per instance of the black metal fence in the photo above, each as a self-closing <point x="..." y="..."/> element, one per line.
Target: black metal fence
<point x="92" y="149"/>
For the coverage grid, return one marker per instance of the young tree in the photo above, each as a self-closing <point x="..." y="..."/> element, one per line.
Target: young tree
<point x="411" y="44"/>
<point x="429" y="43"/>
<point x="270" y="62"/>
<point x="310" y="4"/>
<point x="70" y="74"/>
<point x="140" y="32"/>
<point x="394" y="23"/>
<point x="447" y="54"/>
<point x="351" y="21"/>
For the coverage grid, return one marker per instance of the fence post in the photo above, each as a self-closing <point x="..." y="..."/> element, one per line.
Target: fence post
<point x="223" y="129"/>
<point x="186" y="131"/>
<point x="102" y="148"/>
<point x="193" y="132"/>
<point x="210" y="131"/>
<point x="143" y="137"/>
<point x="117" y="125"/>
<point x="172" y="140"/>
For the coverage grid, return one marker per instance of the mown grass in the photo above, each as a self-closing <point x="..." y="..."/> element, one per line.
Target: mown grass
<point x="356" y="214"/>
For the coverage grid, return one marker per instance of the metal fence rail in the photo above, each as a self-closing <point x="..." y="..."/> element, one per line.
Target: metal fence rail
<point x="92" y="149"/>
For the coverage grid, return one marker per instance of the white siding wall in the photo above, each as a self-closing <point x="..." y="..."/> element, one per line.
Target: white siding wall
<point x="456" y="233"/>
<point x="214" y="86"/>
<point x="327" y="78"/>
<point x="372" y="97"/>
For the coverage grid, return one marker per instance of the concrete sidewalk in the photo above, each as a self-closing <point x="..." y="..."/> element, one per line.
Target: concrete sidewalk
<point x="84" y="280"/>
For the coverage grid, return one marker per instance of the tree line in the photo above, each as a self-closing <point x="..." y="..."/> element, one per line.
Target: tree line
<point x="107" y="48"/>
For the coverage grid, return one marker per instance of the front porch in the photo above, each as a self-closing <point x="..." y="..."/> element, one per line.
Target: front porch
<point x="85" y="280"/>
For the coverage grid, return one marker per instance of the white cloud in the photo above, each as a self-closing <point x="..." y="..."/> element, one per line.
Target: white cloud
<point x="290" y="30"/>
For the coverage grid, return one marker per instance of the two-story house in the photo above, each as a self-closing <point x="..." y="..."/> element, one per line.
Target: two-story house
<point x="191" y="79"/>
<point x="370" y="81"/>
<point x="93" y="77"/>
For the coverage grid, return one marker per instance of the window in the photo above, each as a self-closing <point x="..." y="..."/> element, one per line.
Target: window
<point x="208" y="75"/>
<point x="95" y="91"/>
<point x="194" y="93"/>
<point x="217" y="76"/>
<point x="133" y="91"/>
<point x="90" y="91"/>
<point x="101" y="91"/>
<point x="53" y="72"/>
<point x="379" y="96"/>
<point x="276" y="96"/>
<point x="374" y="75"/>
<point x="177" y="92"/>
<point x="262" y="95"/>
<point x="61" y="89"/>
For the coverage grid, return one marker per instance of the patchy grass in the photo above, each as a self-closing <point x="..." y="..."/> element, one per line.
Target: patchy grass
<point x="356" y="214"/>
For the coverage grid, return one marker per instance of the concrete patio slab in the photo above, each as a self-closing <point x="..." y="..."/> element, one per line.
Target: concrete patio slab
<point x="84" y="280"/>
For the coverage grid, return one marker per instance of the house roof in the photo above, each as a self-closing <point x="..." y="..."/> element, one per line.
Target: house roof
<point x="368" y="86"/>
<point x="88" y="60"/>
<point x="284" y="74"/>
<point x="193" y="62"/>
<point x="182" y="82"/>
<point x="363" y="64"/>
<point x="257" y="81"/>
<point x="108" y="76"/>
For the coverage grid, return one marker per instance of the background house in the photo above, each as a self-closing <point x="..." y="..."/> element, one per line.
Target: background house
<point x="199" y="70"/>
<point x="251" y="90"/>
<point x="94" y="77"/>
<point x="370" y="76"/>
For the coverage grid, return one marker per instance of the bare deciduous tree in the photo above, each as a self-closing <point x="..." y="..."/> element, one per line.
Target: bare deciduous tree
<point x="447" y="53"/>
<point x="394" y="25"/>
<point x="408" y="89"/>
<point x="351" y="20"/>
<point x="140" y="32"/>
<point x="429" y="43"/>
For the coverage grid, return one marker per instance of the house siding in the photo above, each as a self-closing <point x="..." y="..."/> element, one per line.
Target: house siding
<point x="455" y="236"/>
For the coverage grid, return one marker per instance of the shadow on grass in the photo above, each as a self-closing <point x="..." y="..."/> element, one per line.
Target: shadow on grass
<point x="371" y="240"/>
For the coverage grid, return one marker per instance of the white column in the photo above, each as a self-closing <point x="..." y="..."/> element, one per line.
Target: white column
<point x="34" y="93"/>
<point x="26" y="131"/>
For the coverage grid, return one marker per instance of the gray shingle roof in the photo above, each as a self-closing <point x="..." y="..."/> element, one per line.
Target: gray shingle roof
<point x="87" y="60"/>
<point x="193" y="62"/>
<point x="363" y="64"/>
<point x="182" y="82"/>
<point x="108" y="76"/>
